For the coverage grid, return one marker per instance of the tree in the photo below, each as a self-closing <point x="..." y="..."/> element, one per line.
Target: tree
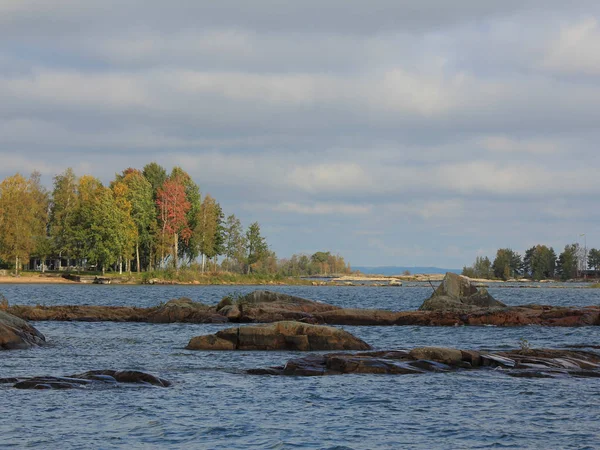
<point x="143" y="209"/>
<point x="234" y="242"/>
<point x="507" y="264"/>
<point x="206" y="229"/>
<point x="156" y="176"/>
<point x="189" y="248"/>
<point x="481" y="268"/>
<point x="594" y="259"/>
<point x="22" y="217"/>
<point x="127" y="230"/>
<point x="256" y="246"/>
<point x="173" y="207"/>
<point x="568" y="262"/>
<point x="63" y="207"/>
<point x="543" y="262"/>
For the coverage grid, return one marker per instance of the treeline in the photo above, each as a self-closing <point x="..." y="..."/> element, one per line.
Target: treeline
<point x="144" y="220"/>
<point x="539" y="262"/>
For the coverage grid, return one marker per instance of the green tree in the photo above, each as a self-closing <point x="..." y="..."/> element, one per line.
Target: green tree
<point x="63" y="208"/>
<point x="507" y="264"/>
<point x="481" y="268"/>
<point x="542" y="262"/>
<point x="156" y="176"/>
<point x="568" y="262"/>
<point x="256" y="246"/>
<point x="594" y="259"/>
<point x="143" y="211"/>
<point x="234" y="244"/>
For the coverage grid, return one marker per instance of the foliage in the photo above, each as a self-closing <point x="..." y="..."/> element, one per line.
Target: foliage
<point x="507" y="264"/>
<point x="593" y="259"/>
<point x="539" y="262"/>
<point x="481" y="268"/>
<point x="568" y="262"/>
<point x="23" y="217"/>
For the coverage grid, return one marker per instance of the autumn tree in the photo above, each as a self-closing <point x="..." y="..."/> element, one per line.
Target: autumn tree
<point x="173" y="208"/>
<point x="23" y="213"/>
<point x="189" y="247"/>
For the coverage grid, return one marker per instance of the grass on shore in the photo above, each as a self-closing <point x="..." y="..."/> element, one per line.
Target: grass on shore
<point x="184" y="276"/>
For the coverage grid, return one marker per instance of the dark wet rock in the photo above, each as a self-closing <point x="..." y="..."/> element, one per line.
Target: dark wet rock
<point x="97" y="378"/>
<point x="279" y="336"/>
<point x="538" y="363"/>
<point x="457" y="293"/>
<point x="16" y="333"/>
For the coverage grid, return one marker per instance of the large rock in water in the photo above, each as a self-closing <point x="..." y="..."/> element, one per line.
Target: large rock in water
<point x="457" y="293"/>
<point x="533" y="363"/>
<point x="267" y="306"/>
<point x="279" y="336"/>
<point x="16" y="333"/>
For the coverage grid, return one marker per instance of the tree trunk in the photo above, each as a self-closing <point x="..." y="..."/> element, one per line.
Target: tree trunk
<point x="120" y="265"/>
<point x="16" y="265"/>
<point x="137" y="256"/>
<point x="176" y="246"/>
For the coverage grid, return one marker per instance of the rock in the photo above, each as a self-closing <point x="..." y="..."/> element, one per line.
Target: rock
<point x="539" y="363"/>
<point x="450" y="356"/>
<point x="96" y="378"/>
<point x="267" y="306"/>
<point x="15" y="333"/>
<point x="457" y="293"/>
<point x="185" y="310"/>
<point x="395" y="283"/>
<point x="279" y="336"/>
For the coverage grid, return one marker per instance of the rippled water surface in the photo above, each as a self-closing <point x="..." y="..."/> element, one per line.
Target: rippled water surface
<point x="213" y="404"/>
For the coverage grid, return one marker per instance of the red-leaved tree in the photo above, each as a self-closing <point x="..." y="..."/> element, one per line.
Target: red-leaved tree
<point x="173" y="207"/>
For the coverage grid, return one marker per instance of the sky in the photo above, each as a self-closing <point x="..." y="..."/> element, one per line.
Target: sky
<point x="391" y="132"/>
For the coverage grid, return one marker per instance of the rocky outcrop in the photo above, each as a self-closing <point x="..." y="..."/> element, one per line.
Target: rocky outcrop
<point x="457" y="293"/>
<point x="15" y="333"/>
<point x="269" y="307"/>
<point x="541" y="363"/>
<point x="96" y="378"/>
<point x="279" y="336"/>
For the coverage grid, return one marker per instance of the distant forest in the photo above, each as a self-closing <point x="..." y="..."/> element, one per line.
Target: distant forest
<point x="539" y="262"/>
<point x="144" y="220"/>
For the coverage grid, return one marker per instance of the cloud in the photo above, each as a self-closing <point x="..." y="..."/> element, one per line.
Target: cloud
<point x="576" y="50"/>
<point x="425" y="127"/>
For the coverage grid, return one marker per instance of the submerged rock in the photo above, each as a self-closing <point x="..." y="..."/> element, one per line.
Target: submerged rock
<point x="15" y="333"/>
<point x="96" y="378"/>
<point x="534" y="363"/>
<point x="279" y="336"/>
<point x="457" y="293"/>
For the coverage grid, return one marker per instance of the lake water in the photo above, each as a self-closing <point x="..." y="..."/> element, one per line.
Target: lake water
<point x="214" y="405"/>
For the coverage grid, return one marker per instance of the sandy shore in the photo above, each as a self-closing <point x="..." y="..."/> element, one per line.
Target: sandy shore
<point x="33" y="279"/>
